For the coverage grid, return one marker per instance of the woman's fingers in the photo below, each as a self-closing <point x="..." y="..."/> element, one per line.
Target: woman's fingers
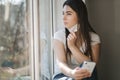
<point x="81" y="73"/>
<point x="73" y="33"/>
<point x="71" y="36"/>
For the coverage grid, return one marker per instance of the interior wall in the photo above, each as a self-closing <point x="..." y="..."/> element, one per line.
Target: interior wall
<point x="105" y="19"/>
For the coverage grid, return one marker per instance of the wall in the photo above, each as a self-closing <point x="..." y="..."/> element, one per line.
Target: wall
<point x="104" y="17"/>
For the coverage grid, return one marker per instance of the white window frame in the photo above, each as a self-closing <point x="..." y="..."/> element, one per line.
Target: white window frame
<point x="34" y="37"/>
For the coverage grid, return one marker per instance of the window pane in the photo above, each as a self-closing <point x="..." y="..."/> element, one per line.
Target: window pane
<point x="58" y="11"/>
<point x="45" y="39"/>
<point x="14" y="47"/>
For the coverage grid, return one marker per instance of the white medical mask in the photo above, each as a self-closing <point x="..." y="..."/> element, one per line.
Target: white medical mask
<point x="74" y="28"/>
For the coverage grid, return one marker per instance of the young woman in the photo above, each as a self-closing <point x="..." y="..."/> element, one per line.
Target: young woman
<point x="77" y="43"/>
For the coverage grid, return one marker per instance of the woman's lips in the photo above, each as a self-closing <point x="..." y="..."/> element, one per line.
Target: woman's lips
<point x="65" y="23"/>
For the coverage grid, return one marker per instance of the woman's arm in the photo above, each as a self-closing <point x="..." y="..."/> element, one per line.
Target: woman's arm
<point x="96" y="52"/>
<point x="60" y="57"/>
<point x="80" y="57"/>
<point x="77" y="54"/>
<point x="76" y="73"/>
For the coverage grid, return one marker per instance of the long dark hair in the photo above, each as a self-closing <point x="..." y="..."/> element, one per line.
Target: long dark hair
<point x="84" y="27"/>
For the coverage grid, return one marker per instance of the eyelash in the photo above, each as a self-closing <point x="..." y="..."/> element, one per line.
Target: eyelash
<point x="67" y="14"/>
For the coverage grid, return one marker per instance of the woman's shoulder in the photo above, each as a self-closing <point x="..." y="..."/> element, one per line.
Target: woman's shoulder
<point x="60" y="35"/>
<point x="95" y="38"/>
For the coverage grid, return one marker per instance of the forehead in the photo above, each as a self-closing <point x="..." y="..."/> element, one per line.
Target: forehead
<point x="67" y="8"/>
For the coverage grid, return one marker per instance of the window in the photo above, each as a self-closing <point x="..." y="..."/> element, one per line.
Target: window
<point x="14" y="39"/>
<point x="26" y="33"/>
<point x="50" y="22"/>
<point x="46" y="26"/>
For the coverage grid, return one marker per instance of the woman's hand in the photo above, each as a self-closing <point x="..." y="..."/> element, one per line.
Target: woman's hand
<point x="71" y="39"/>
<point x="79" y="73"/>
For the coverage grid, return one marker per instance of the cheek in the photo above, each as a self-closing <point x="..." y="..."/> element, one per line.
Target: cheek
<point x="73" y="21"/>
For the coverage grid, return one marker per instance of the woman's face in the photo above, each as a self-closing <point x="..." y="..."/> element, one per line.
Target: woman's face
<point x="69" y="17"/>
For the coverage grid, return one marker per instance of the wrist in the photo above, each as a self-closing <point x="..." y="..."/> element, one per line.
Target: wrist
<point x="72" y="47"/>
<point x="71" y="73"/>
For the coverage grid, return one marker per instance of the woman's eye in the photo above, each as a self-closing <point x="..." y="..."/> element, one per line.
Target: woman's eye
<point x="69" y="14"/>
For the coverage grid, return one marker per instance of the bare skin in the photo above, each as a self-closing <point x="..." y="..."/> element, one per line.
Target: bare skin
<point x="70" y="19"/>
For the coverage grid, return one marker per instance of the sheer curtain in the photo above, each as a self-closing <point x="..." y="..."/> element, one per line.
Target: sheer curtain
<point x="50" y="22"/>
<point x="57" y="14"/>
<point x="45" y="39"/>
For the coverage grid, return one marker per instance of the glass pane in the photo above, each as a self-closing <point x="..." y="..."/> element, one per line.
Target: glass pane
<point x="58" y="21"/>
<point x="45" y="39"/>
<point x="58" y="11"/>
<point x="14" y="47"/>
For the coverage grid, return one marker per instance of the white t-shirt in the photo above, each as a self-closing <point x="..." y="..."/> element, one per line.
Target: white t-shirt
<point x="60" y="35"/>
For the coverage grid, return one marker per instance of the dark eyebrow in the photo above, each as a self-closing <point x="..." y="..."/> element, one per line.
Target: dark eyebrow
<point x="68" y="11"/>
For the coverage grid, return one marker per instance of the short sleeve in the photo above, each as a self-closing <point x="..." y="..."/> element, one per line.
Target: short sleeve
<point x="60" y="35"/>
<point x="95" y="39"/>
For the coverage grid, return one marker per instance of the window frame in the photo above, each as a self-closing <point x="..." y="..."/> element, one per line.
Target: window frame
<point x="35" y="37"/>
